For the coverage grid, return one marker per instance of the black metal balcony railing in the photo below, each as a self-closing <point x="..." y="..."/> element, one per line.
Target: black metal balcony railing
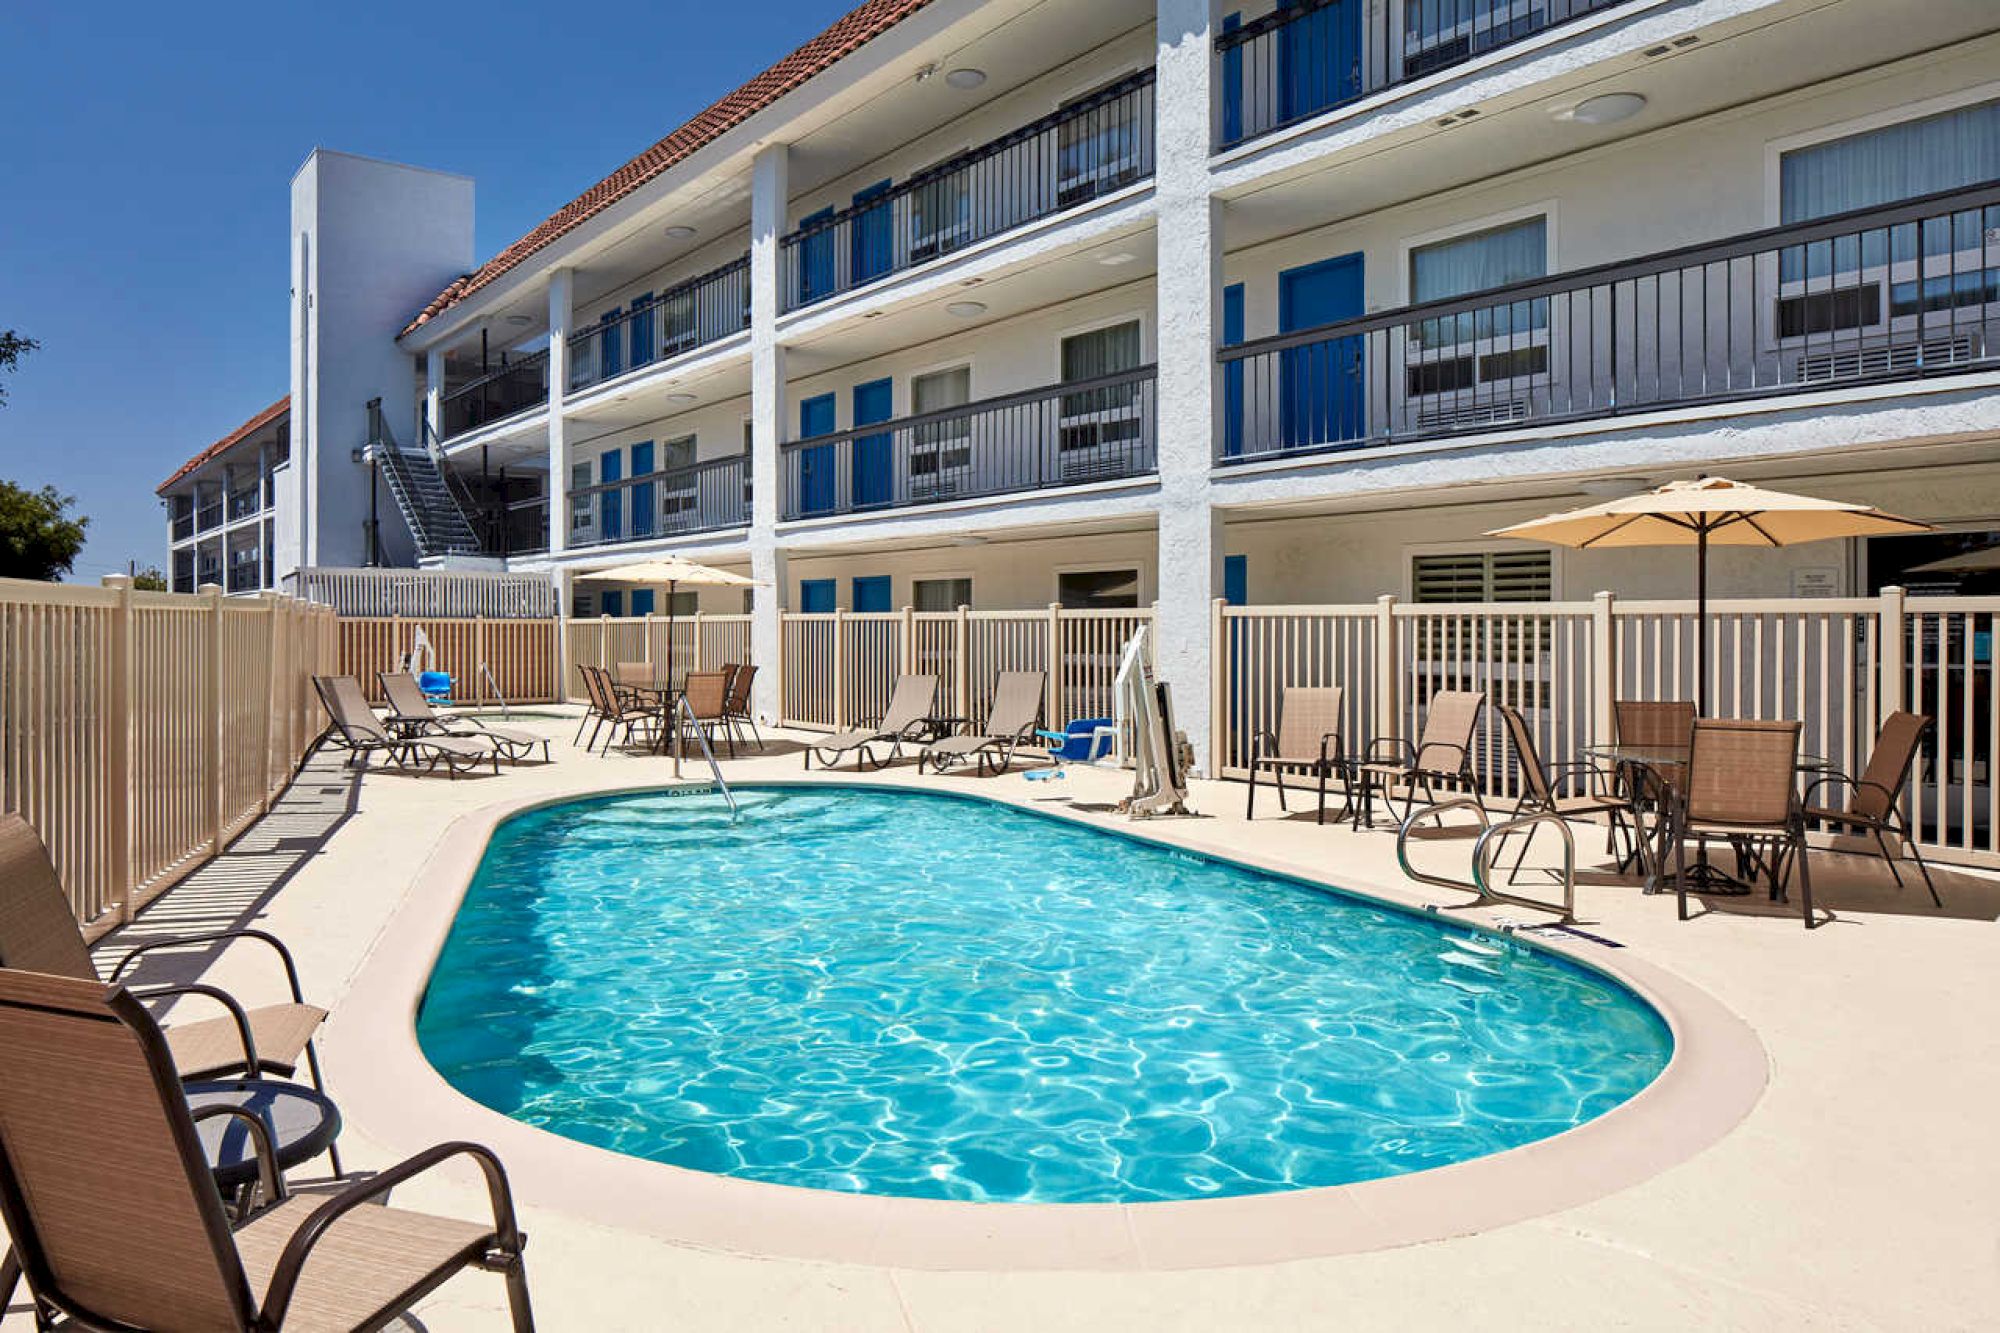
<point x="1875" y="295"/>
<point x="518" y="386"/>
<point x="1090" y="148"/>
<point x="670" y="503"/>
<point x="1063" y="435"/>
<point x="245" y="501"/>
<point x="693" y="314"/>
<point x="183" y="524"/>
<point x="246" y="570"/>
<point x="208" y="515"/>
<point x="1314" y="55"/>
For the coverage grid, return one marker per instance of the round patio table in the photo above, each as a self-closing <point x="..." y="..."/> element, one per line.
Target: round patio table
<point x="303" y="1121"/>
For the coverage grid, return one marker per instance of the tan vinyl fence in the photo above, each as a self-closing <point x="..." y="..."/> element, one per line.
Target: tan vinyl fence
<point x="1836" y="665"/>
<point x="489" y="661"/>
<point x="840" y="666"/>
<point x="140" y="731"/>
<point x="700" y="642"/>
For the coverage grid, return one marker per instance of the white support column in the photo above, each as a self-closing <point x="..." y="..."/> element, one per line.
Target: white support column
<point x="434" y="391"/>
<point x="562" y="294"/>
<point x="1190" y="306"/>
<point x="770" y="200"/>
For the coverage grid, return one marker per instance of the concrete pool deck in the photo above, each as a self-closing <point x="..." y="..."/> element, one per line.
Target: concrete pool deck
<point x="1861" y="1189"/>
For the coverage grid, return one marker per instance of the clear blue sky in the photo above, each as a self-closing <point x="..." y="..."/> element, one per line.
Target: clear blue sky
<point x="146" y="157"/>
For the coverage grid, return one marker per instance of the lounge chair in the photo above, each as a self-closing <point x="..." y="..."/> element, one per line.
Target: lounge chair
<point x="1442" y="753"/>
<point x="361" y="733"/>
<point x="1541" y="794"/>
<point x="1874" y="803"/>
<point x="613" y="707"/>
<point x="1307" y="741"/>
<point x="904" y="720"/>
<point x="1010" y="723"/>
<point x="1742" y="788"/>
<point x="116" y="1220"/>
<point x="411" y="712"/>
<point x="38" y="933"/>
<point x="737" y="709"/>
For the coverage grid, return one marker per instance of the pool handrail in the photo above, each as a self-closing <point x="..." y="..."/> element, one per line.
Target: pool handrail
<point x="685" y="722"/>
<point x="1485" y="850"/>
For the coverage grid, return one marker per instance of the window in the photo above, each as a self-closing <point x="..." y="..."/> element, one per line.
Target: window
<point x="940" y="212"/>
<point x="1917" y="157"/>
<point x="679" y="493"/>
<point x="1097" y="150"/>
<point x="1437" y="35"/>
<point x="1098" y="590"/>
<point x="1488" y="349"/>
<point x="579" y="505"/>
<point x="940" y="594"/>
<point x="940" y="451"/>
<point x="1483" y="576"/>
<point x="680" y="326"/>
<point x="1100" y="428"/>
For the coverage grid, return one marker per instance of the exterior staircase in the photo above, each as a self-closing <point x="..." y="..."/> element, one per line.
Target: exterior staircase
<point x="436" y="519"/>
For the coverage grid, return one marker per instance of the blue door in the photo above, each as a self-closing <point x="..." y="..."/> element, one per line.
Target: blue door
<point x="871" y="235"/>
<point x="872" y="593"/>
<point x="816" y="596"/>
<point x="644" y="503"/>
<point x="817" y="489"/>
<point x="874" y="455"/>
<point x="611" y="503"/>
<point x="816" y="253"/>
<point x="1236" y="592"/>
<point x="1236" y="579"/>
<point x="609" y="331"/>
<point x="1319" y="59"/>
<point x="611" y="604"/>
<point x="1232" y="372"/>
<point x="1232" y="83"/>
<point x="642" y="334"/>
<point x="1319" y="394"/>
<point x="642" y="601"/>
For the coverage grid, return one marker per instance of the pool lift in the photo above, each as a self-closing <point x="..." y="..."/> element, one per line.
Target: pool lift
<point x="1141" y="735"/>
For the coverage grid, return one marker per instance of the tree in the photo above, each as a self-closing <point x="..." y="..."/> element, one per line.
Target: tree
<point x="12" y="348"/>
<point x="150" y="579"/>
<point x="38" y="538"/>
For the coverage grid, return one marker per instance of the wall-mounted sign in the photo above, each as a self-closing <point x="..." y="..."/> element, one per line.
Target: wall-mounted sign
<point x="1816" y="581"/>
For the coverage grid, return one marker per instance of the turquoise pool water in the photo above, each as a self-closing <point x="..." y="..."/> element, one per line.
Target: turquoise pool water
<point x="909" y="994"/>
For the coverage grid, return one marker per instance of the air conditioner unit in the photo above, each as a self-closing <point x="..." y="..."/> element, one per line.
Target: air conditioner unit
<point x="1474" y="415"/>
<point x="1889" y="358"/>
<point x="935" y="486"/>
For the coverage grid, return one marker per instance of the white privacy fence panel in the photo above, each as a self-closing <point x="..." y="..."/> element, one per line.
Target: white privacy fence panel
<point x="443" y="593"/>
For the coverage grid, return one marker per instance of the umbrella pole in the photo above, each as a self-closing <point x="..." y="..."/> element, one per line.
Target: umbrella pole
<point x="1701" y="621"/>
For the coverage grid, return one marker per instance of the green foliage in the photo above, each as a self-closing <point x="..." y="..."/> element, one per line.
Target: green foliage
<point x="12" y="348"/>
<point x="150" y="579"/>
<point x="38" y="538"/>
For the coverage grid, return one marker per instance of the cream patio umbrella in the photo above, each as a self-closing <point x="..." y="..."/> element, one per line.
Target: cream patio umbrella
<point x="1985" y="560"/>
<point x="672" y="571"/>
<point x="1704" y="512"/>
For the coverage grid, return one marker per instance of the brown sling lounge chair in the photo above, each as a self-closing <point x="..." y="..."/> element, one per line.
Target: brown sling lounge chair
<point x="1874" y="803"/>
<point x="1442" y="753"/>
<point x="115" y="1218"/>
<point x="909" y="704"/>
<point x="362" y="733"/>
<point x="1307" y="741"/>
<point x="1010" y="722"/>
<point x="413" y="713"/>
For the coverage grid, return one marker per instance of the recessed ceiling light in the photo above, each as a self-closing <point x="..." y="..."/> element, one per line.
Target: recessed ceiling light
<point x="680" y="397"/>
<point x="519" y="319"/>
<point x="965" y="78"/>
<point x="679" y="233"/>
<point x="966" y="309"/>
<point x="1113" y="261"/>
<point x="1604" y="109"/>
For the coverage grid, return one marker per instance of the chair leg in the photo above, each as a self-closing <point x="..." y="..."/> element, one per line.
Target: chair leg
<point x="1805" y="873"/>
<point x="518" y="1308"/>
<point x="1278" y="777"/>
<point x="1322" y="794"/>
<point x="1250" y="801"/>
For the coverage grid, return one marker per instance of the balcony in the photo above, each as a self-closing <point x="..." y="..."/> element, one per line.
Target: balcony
<point x="1875" y="296"/>
<point x="245" y="501"/>
<point x="520" y="385"/>
<point x="694" y="314"/>
<point x="246" y="570"/>
<point x="1091" y="148"/>
<point x="677" y="502"/>
<point x="183" y="522"/>
<point x="1314" y="55"/>
<point x="208" y="515"/>
<point x="1064" y="435"/>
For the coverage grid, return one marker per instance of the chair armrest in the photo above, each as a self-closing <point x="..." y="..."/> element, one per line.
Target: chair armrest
<point x="285" y="1276"/>
<point x="223" y="998"/>
<point x="261" y="1138"/>
<point x="1401" y="749"/>
<point x="1329" y="748"/>
<point x="211" y="937"/>
<point x="1262" y="743"/>
<point x="1832" y="779"/>
<point x="1561" y="773"/>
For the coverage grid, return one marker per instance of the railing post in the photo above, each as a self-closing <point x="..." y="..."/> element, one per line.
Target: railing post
<point x="479" y="660"/>
<point x="961" y="665"/>
<point x="839" y="668"/>
<point x="1218" y="685"/>
<point x="603" y="642"/>
<point x="1892" y="691"/>
<point x="1603" y="669"/>
<point x="1387" y="677"/>
<point x="118" y="735"/>
<point x="909" y="653"/>
<point x="646" y="639"/>
<point x="1052" y="691"/>
<point x="694" y="635"/>
<point x="271" y="642"/>
<point x="213" y="703"/>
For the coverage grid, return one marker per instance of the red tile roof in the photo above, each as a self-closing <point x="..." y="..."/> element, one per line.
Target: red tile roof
<point x="847" y="35"/>
<point x="235" y="437"/>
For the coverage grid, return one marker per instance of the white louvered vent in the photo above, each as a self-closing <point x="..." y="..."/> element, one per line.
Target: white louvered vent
<point x="1480" y="414"/>
<point x="1888" y="358"/>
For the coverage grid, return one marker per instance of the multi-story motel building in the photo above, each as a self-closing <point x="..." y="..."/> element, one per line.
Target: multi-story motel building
<point x="1017" y="302"/>
<point x="222" y="507"/>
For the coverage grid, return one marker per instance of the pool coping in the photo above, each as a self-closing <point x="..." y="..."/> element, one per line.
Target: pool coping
<point x="1716" y="1074"/>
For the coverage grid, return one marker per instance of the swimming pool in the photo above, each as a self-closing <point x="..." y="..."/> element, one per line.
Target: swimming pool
<point x="905" y="993"/>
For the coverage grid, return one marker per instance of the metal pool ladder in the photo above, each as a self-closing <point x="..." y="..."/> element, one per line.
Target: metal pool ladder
<point x="1484" y="852"/>
<point x="682" y="711"/>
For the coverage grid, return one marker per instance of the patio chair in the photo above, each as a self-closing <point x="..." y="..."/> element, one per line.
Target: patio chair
<point x="1442" y="753"/>
<point x="904" y="720"/>
<point x="1742" y="788"/>
<point x="1874" y="802"/>
<point x="362" y="733"/>
<point x="636" y="675"/>
<point x="1307" y="741"/>
<point x="1648" y="724"/>
<point x="612" y="707"/>
<point x="736" y="709"/>
<point x="1010" y="723"/>
<point x="1541" y="794"/>
<point x="38" y="933"/>
<point x="116" y="1220"/>
<point x="707" y="697"/>
<point x="410" y="710"/>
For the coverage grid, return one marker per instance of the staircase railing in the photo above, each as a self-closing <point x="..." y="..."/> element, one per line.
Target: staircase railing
<point x="383" y="451"/>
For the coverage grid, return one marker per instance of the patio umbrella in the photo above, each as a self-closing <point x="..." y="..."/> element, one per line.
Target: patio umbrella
<point x="672" y="571"/>
<point x="1704" y="512"/>
<point x="1985" y="560"/>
